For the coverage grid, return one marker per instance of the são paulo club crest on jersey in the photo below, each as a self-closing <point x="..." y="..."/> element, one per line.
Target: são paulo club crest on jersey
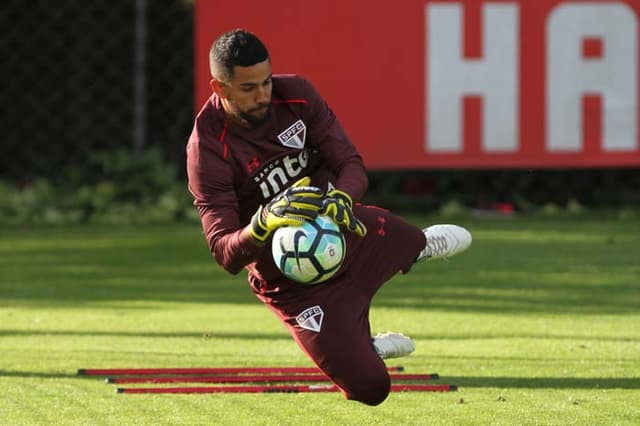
<point x="294" y="136"/>
<point x="311" y="318"/>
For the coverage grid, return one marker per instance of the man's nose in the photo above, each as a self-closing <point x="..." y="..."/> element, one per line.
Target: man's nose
<point x="262" y="95"/>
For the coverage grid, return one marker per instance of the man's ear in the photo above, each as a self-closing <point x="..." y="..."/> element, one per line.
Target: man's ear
<point x="217" y="87"/>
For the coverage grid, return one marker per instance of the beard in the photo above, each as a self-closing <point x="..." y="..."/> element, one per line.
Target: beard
<point x="256" y="117"/>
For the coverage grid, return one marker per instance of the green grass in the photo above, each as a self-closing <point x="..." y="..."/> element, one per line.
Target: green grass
<point x="538" y="324"/>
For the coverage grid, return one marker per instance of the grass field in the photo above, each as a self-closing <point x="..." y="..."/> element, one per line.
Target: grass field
<point x="538" y="323"/>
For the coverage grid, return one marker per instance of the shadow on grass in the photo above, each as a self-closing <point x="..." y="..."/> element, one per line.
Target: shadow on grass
<point x="138" y="334"/>
<point x="36" y="374"/>
<point x="522" y="335"/>
<point x="284" y="335"/>
<point x="543" y="382"/>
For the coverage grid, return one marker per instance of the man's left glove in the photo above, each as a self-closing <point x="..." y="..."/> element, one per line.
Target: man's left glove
<point x="339" y="206"/>
<point x="292" y="206"/>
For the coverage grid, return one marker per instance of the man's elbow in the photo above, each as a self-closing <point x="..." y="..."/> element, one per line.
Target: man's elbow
<point x="231" y="257"/>
<point x="232" y="268"/>
<point x="227" y="262"/>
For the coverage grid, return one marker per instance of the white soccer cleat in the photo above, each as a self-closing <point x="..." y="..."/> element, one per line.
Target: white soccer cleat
<point x="444" y="241"/>
<point x="393" y="345"/>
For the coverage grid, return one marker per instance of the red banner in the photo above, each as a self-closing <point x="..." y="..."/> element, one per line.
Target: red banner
<point x="466" y="84"/>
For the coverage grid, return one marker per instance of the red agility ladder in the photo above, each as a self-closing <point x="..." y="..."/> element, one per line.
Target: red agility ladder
<point x="222" y="370"/>
<point x="281" y="389"/>
<point x="264" y="378"/>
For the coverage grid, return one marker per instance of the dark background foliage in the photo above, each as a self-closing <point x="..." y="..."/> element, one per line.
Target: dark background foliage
<point x="71" y="105"/>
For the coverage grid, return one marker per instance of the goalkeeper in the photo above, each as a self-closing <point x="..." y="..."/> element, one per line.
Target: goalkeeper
<point x="266" y="151"/>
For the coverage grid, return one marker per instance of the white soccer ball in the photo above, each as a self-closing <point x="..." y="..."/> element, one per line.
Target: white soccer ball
<point x="310" y="253"/>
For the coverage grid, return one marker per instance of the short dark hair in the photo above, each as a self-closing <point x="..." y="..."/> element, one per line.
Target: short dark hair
<point x="235" y="48"/>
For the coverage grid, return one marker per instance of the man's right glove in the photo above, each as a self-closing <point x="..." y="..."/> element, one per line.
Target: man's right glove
<point x="292" y="206"/>
<point x="339" y="207"/>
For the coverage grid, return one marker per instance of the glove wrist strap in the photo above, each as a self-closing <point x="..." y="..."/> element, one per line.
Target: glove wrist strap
<point x="257" y="229"/>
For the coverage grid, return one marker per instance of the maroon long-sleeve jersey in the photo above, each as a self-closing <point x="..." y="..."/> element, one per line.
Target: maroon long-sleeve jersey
<point x="232" y="169"/>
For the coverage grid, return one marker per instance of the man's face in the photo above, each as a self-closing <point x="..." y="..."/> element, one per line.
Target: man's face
<point x="247" y="96"/>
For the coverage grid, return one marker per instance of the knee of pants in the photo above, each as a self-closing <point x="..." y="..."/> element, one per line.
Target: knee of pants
<point x="371" y="390"/>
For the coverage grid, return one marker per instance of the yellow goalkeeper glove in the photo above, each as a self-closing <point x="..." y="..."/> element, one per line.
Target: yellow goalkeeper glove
<point x="339" y="206"/>
<point x="292" y="206"/>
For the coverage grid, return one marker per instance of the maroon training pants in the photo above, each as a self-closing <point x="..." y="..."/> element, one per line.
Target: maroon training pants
<point x="330" y="320"/>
